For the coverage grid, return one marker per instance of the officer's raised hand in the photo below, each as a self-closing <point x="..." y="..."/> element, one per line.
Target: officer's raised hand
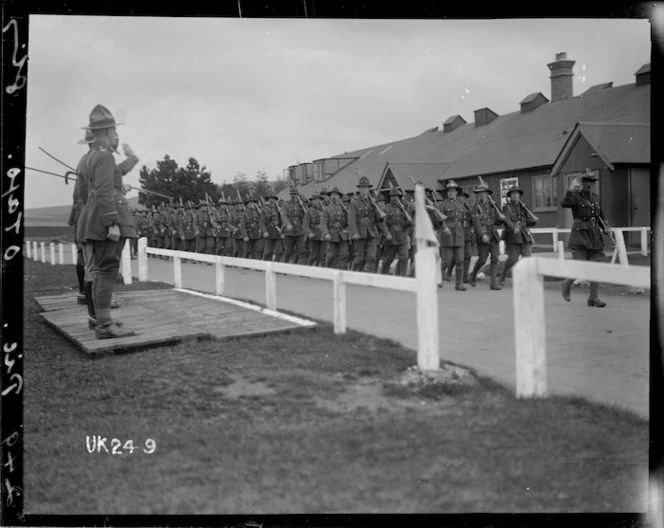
<point x="127" y="150"/>
<point x="575" y="186"/>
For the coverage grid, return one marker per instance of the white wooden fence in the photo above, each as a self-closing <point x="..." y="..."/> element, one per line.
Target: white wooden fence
<point x="617" y="231"/>
<point x="529" y="322"/>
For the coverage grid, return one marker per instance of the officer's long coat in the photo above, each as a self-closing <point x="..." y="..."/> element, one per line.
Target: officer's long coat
<point x="586" y="210"/>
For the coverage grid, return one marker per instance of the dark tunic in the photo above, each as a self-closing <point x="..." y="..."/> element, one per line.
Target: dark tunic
<point x="586" y="210"/>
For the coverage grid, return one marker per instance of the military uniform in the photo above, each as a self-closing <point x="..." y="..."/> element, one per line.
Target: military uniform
<point x="270" y="227"/>
<point x="585" y="240"/>
<point x="452" y="236"/>
<point x="468" y="237"/>
<point x="222" y="229"/>
<point x="397" y="243"/>
<point x="365" y="227"/>
<point x="312" y="229"/>
<point x="517" y="236"/>
<point x="292" y="216"/>
<point x="237" y="244"/>
<point x="187" y="229"/>
<point x="334" y="229"/>
<point x="251" y="234"/>
<point x="485" y="220"/>
<point x="204" y="233"/>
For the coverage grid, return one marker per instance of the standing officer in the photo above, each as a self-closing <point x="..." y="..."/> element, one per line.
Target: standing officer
<point x="585" y="240"/>
<point x="292" y="216"/>
<point x="312" y="230"/>
<point x="104" y="222"/>
<point x="452" y="241"/>
<point x="396" y="242"/>
<point x="517" y="236"/>
<point x="270" y="226"/>
<point x="486" y="217"/>
<point x="334" y="228"/>
<point x="364" y="228"/>
<point x="250" y="227"/>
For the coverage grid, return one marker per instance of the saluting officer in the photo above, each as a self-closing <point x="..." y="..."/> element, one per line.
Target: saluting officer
<point x="485" y="219"/>
<point x="585" y="240"/>
<point x="312" y="230"/>
<point x="364" y="228"/>
<point x="517" y="236"/>
<point x="270" y="226"/>
<point x="396" y="242"/>
<point x="452" y="240"/>
<point x="250" y="226"/>
<point x="334" y="227"/>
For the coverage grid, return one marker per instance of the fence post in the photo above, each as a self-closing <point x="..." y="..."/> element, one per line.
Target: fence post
<point x="74" y="254"/>
<point x="529" y="329"/>
<point x="644" y="241"/>
<point x="43" y="252"/>
<point x="27" y="249"/>
<point x="35" y="251"/>
<point x="555" y="238"/>
<point x="126" y="262"/>
<point x="219" y="277"/>
<point x="142" y="259"/>
<point x="561" y="250"/>
<point x="339" y="303"/>
<point x="177" y="271"/>
<point x="270" y="287"/>
<point x="61" y="253"/>
<point x="620" y="248"/>
<point x="52" y="251"/>
<point x="426" y="262"/>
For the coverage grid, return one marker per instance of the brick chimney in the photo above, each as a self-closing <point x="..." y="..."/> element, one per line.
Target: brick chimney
<point x="562" y="78"/>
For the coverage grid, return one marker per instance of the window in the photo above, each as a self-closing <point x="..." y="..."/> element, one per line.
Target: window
<point x="545" y="196"/>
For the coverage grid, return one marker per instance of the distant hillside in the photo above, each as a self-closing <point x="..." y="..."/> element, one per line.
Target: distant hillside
<point x="57" y="215"/>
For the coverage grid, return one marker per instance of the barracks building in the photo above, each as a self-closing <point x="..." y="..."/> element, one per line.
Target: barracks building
<point x="540" y="147"/>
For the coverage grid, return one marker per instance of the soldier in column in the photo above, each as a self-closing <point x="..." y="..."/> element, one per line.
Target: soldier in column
<point x="293" y="217"/>
<point x="189" y="228"/>
<point x="203" y="228"/>
<point x="452" y="241"/>
<point x="351" y="245"/>
<point x="380" y="248"/>
<point x="312" y="229"/>
<point x="334" y="229"/>
<point x="398" y="222"/>
<point x="168" y="243"/>
<point x="179" y="237"/>
<point x="365" y="225"/>
<point x="250" y="227"/>
<point x="160" y="226"/>
<point x="222" y="231"/>
<point x="585" y="239"/>
<point x="237" y="244"/>
<point x="468" y="236"/>
<point x="518" y="239"/>
<point x="486" y="218"/>
<point x="270" y="227"/>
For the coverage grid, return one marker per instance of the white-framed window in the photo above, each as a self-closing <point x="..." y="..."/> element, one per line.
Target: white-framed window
<point x="545" y="195"/>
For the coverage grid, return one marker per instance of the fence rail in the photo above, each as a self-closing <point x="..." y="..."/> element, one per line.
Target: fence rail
<point x="529" y="322"/>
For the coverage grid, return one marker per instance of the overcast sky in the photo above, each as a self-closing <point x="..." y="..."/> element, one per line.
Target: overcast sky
<point x="243" y="95"/>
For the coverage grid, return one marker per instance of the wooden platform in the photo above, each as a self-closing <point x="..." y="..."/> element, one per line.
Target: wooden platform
<point x="164" y="317"/>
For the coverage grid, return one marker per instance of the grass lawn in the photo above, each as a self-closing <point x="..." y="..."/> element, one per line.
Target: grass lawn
<point x="306" y="422"/>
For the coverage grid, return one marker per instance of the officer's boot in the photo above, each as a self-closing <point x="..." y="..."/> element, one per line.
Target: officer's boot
<point x="459" y="279"/>
<point x="80" y="275"/>
<point x="593" y="300"/>
<point x="567" y="289"/>
<point x="466" y="267"/>
<point x="493" y="270"/>
<point x="92" y="318"/>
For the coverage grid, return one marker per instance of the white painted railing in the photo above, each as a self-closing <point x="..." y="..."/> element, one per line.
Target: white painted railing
<point x="618" y="231"/>
<point x="424" y="286"/>
<point x="529" y="322"/>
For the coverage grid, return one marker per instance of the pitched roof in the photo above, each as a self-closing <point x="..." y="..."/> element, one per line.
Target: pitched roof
<point x="613" y="142"/>
<point x="426" y="172"/>
<point x="511" y="142"/>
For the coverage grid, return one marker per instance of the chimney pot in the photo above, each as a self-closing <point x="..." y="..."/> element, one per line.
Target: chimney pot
<point x="562" y="78"/>
<point x="561" y="56"/>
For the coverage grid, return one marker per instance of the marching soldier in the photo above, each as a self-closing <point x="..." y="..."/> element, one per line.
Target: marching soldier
<point x="168" y="216"/>
<point x="250" y="227"/>
<point x="468" y="237"/>
<point x="517" y="236"/>
<point x="292" y="216"/>
<point x="485" y="218"/>
<point x="364" y="225"/>
<point x="452" y="240"/>
<point x="585" y="240"/>
<point x="351" y="243"/>
<point x="396" y="241"/>
<point x="237" y="244"/>
<point x="334" y="228"/>
<point x="380" y="247"/>
<point x="312" y="230"/>
<point x="222" y="231"/>
<point x="187" y="229"/>
<point x="270" y="226"/>
<point x="160" y="225"/>
<point x="204" y="236"/>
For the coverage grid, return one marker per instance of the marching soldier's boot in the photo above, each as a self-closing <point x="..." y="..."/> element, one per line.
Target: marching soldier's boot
<point x="593" y="300"/>
<point x="493" y="270"/>
<point x="447" y="275"/>
<point x="466" y="267"/>
<point x="459" y="279"/>
<point x="567" y="289"/>
<point x="473" y="275"/>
